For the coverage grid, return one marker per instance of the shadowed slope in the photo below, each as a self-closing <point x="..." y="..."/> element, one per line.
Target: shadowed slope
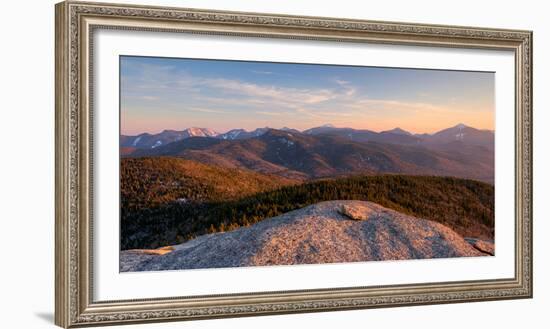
<point x="299" y="156"/>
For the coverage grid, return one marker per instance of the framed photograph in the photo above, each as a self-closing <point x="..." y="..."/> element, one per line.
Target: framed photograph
<point x="219" y="164"/>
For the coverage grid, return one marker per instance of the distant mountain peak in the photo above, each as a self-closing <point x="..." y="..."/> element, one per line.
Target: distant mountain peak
<point x="275" y="132"/>
<point x="201" y="131"/>
<point x="460" y="126"/>
<point x="242" y="133"/>
<point x="323" y="128"/>
<point x="398" y="131"/>
<point x="260" y="131"/>
<point x="232" y="134"/>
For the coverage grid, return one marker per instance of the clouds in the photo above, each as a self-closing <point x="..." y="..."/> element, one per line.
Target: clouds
<point x="342" y="82"/>
<point x="289" y="97"/>
<point x="223" y="95"/>
<point x="270" y="113"/>
<point x="180" y="87"/>
<point x="149" y="98"/>
<point x="261" y="72"/>
<point x="204" y="110"/>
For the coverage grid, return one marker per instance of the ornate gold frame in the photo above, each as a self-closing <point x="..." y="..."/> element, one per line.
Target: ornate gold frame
<point x="76" y="22"/>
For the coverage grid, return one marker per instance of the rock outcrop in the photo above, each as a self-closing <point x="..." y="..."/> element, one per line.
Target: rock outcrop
<point x="357" y="211"/>
<point x="326" y="232"/>
<point x="482" y="245"/>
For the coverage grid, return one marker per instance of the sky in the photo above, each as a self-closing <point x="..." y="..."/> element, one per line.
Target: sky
<point x="168" y="93"/>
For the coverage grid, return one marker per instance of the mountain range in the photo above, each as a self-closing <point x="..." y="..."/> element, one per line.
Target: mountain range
<point x="327" y="151"/>
<point x="152" y="141"/>
<point x="459" y="132"/>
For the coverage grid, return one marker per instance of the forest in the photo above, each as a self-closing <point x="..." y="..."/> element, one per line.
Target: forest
<point x="170" y="207"/>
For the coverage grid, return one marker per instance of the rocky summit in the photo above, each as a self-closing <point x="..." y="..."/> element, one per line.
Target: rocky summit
<point x="326" y="232"/>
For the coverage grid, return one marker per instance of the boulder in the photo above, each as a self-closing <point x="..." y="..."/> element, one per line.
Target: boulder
<point x="356" y="211"/>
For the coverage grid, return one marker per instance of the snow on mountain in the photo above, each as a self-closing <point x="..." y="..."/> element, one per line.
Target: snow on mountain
<point x="260" y="131"/>
<point x="290" y="130"/>
<point x="457" y="133"/>
<point x="200" y="132"/>
<point x="242" y="134"/>
<point x="148" y="141"/>
<point x="463" y="134"/>
<point x="136" y="141"/>
<point x="232" y="134"/>
<point x="321" y="129"/>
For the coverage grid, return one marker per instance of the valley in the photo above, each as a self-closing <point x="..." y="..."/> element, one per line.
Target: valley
<point x="326" y="151"/>
<point x="177" y="200"/>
